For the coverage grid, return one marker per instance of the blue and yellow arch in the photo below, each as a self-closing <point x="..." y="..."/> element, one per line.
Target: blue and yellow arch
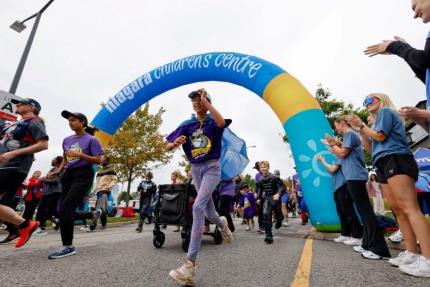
<point x="299" y="112"/>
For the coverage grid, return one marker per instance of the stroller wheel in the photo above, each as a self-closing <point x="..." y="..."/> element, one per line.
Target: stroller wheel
<point x="186" y="242"/>
<point x="159" y="239"/>
<point x="217" y="236"/>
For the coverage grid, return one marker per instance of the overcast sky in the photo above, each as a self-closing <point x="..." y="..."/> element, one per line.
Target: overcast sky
<point x="86" y="51"/>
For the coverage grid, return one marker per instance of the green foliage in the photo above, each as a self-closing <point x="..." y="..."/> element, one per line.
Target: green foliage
<point x="138" y="146"/>
<point x="248" y="179"/>
<point x="124" y="196"/>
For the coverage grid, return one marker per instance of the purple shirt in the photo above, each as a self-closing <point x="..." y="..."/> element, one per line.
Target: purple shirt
<point x="203" y="140"/>
<point x="227" y="187"/>
<point x="86" y="144"/>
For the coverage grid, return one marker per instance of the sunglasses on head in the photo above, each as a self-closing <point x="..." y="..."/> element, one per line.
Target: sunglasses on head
<point x="370" y="100"/>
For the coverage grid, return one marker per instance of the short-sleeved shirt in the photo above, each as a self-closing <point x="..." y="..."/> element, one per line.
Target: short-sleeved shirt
<point x="203" y="140"/>
<point x="21" y="134"/>
<point x="389" y="122"/>
<point x="338" y="179"/>
<point x="353" y="166"/>
<point x="86" y="144"/>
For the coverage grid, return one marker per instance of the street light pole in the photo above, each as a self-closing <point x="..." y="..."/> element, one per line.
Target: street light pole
<point x="19" y="26"/>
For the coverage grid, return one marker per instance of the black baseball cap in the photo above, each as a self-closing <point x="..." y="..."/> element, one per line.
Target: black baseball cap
<point x="28" y="101"/>
<point x="257" y="165"/>
<point x="80" y="116"/>
<point x="197" y="93"/>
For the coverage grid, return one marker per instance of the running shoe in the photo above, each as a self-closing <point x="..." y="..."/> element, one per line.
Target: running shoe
<point x="39" y="232"/>
<point x="420" y="268"/>
<point x="359" y="249"/>
<point x="225" y="231"/>
<point x="26" y="232"/>
<point x="286" y="223"/>
<point x="353" y="241"/>
<point x="260" y="230"/>
<point x="404" y="258"/>
<point x="268" y="239"/>
<point x="372" y="256"/>
<point x="341" y="239"/>
<point x="139" y="229"/>
<point x="185" y="275"/>
<point x="11" y="237"/>
<point x="396" y="237"/>
<point x="66" y="251"/>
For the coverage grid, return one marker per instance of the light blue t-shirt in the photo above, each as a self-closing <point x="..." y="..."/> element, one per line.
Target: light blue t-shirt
<point x="338" y="179"/>
<point x="389" y="122"/>
<point x="353" y="166"/>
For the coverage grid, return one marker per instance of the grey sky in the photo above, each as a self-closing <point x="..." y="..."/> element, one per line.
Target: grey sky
<point x="86" y="51"/>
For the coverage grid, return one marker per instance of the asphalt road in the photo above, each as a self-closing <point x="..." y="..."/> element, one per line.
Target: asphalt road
<point x="121" y="257"/>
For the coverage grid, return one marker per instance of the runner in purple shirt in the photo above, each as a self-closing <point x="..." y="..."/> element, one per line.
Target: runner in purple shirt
<point x="81" y="151"/>
<point x="200" y="138"/>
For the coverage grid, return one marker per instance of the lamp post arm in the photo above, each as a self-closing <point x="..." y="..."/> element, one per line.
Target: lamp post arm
<point x="24" y="56"/>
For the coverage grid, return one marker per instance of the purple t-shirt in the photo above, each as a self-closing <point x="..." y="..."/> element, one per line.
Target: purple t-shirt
<point x="86" y="143"/>
<point x="203" y="140"/>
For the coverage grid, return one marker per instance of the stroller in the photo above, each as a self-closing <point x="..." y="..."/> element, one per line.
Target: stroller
<point x="174" y="206"/>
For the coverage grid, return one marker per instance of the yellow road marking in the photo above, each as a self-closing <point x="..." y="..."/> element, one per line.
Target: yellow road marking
<point x="301" y="279"/>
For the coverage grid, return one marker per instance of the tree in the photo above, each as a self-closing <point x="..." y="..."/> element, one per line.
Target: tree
<point x="333" y="108"/>
<point x="138" y="147"/>
<point x="249" y="181"/>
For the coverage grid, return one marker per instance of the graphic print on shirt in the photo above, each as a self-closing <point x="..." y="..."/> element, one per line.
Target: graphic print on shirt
<point x="201" y="144"/>
<point x="74" y="147"/>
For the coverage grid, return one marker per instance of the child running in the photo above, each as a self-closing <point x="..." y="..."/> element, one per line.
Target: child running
<point x="200" y="138"/>
<point x="247" y="202"/>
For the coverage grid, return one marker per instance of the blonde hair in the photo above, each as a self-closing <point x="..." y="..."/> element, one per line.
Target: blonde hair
<point x="342" y="119"/>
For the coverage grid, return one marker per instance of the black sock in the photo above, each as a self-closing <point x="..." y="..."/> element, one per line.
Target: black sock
<point x="24" y="224"/>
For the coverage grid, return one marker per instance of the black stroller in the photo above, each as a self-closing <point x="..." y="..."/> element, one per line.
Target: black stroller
<point x="174" y="206"/>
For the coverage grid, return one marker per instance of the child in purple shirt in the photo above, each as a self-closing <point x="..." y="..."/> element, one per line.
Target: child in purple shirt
<point x="81" y="151"/>
<point x="200" y="138"/>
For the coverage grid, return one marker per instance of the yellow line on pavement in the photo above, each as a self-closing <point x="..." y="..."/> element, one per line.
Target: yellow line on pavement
<point x="301" y="279"/>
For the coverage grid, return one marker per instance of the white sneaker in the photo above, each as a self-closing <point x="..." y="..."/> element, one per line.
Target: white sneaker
<point x="83" y="228"/>
<point x="353" y="241"/>
<point x="286" y="223"/>
<point x="421" y="268"/>
<point x="396" y="237"/>
<point x="370" y="255"/>
<point x="39" y="231"/>
<point x="404" y="258"/>
<point x="184" y="275"/>
<point x="359" y="249"/>
<point x="341" y="239"/>
<point x="226" y="233"/>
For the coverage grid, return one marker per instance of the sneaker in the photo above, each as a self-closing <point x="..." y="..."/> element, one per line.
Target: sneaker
<point x="421" y="268"/>
<point x="139" y="229"/>
<point x="286" y="224"/>
<point x="404" y="258"/>
<point x="353" y="241"/>
<point x="278" y="225"/>
<point x="66" y="251"/>
<point x="10" y="238"/>
<point x="372" y="256"/>
<point x="184" y="275"/>
<point x="56" y="224"/>
<point x="26" y="232"/>
<point x="396" y="237"/>
<point x="260" y="230"/>
<point x="268" y="239"/>
<point x="341" y="239"/>
<point x="83" y="228"/>
<point x="39" y="232"/>
<point x="226" y="233"/>
<point x="359" y="249"/>
<point x="248" y="228"/>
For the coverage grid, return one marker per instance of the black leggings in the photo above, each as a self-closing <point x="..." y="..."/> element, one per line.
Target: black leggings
<point x="373" y="237"/>
<point x="10" y="181"/>
<point x="224" y="204"/>
<point x="48" y="208"/>
<point x="75" y="184"/>
<point x="30" y="208"/>
<point x="350" y="225"/>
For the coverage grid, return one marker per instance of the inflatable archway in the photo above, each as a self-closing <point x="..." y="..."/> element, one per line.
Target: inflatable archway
<point x="300" y="114"/>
